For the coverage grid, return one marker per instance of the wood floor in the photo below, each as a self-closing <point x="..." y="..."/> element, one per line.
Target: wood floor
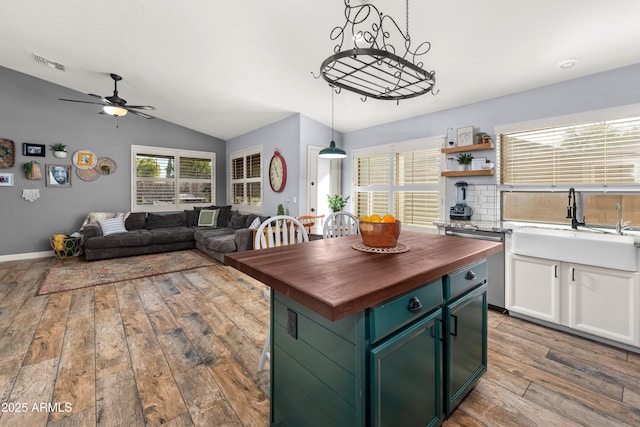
<point x="181" y="349"/>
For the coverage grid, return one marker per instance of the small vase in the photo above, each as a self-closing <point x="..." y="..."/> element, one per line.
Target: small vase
<point x="60" y="154"/>
<point x="462" y="167"/>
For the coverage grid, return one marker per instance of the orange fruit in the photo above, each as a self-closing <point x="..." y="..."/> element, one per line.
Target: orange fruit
<point x="376" y="218"/>
<point x="388" y="218"/>
<point x="365" y="218"/>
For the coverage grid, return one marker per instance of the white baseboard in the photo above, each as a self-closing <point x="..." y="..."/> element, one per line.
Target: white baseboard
<point x="27" y="255"/>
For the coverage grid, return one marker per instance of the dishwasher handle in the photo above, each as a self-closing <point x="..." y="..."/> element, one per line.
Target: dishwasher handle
<point x="474" y="236"/>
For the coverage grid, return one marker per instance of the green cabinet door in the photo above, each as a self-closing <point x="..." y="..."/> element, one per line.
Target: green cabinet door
<point x="406" y="376"/>
<point x="466" y="345"/>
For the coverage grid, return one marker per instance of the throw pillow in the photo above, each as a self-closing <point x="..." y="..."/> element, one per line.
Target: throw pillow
<point x="166" y="220"/>
<point x="255" y="224"/>
<point x="136" y="221"/>
<point x="237" y="220"/>
<point x="112" y="226"/>
<point x="208" y="217"/>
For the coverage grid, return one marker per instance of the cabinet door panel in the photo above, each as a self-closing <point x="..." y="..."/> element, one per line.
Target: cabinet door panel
<point x="533" y="287"/>
<point x="406" y="378"/>
<point x="604" y="302"/>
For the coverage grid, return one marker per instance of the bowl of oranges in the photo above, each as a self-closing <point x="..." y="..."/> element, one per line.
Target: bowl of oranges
<point x="379" y="231"/>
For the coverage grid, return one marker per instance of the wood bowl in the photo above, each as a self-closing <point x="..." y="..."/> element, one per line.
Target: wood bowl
<point x="380" y="234"/>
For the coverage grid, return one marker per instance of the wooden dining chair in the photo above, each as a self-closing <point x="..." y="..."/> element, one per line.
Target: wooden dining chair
<point x="340" y="224"/>
<point x="281" y="230"/>
<point x="309" y="221"/>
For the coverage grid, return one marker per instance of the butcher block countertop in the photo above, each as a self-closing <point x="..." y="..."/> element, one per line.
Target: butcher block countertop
<point x="334" y="280"/>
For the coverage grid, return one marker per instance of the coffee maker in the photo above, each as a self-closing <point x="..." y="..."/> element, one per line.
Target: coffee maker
<point x="460" y="211"/>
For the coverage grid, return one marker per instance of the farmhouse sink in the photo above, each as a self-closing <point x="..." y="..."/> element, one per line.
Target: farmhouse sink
<point x="581" y="247"/>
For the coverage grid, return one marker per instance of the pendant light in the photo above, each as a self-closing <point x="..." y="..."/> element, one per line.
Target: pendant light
<point x="332" y="152"/>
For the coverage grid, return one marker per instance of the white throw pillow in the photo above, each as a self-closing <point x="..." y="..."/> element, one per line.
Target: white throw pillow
<point x="255" y="224"/>
<point x="112" y="226"/>
<point x="208" y="217"/>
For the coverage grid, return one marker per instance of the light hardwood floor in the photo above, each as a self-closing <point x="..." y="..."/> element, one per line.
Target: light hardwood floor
<point x="181" y="349"/>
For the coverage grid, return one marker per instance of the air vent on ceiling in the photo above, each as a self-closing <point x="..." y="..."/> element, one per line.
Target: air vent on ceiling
<point x="48" y="62"/>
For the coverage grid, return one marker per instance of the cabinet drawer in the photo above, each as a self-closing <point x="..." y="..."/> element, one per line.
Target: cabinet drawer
<point x="391" y="315"/>
<point x="461" y="281"/>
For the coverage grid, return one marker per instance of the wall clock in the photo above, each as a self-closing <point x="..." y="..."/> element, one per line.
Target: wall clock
<point x="277" y="172"/>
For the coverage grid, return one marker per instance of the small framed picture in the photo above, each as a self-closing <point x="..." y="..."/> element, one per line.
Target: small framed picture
<point x="6" y="179"/>
<point x="84" y="159"/>
<point x="29" y="149"/>
<point x="58" y="175"/>
<point x="465" y="136"/>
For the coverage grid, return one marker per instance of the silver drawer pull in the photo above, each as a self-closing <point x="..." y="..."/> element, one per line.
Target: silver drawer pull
<point x="470" y="275"/>
<point x="414" y="305"/>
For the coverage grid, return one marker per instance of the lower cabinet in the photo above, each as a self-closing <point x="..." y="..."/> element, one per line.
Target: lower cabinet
<point x="600" y="302"/>
<point x="406" y="377"/>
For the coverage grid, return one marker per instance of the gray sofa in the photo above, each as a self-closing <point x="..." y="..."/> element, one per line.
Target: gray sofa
<point x="149" y="233"/>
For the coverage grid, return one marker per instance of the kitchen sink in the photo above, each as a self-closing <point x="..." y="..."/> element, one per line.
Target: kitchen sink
<point x="579" y="246"/>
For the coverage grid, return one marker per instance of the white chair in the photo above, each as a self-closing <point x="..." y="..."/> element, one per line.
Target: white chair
<point x="340" y="224"/>
<point x="281" y="230"/>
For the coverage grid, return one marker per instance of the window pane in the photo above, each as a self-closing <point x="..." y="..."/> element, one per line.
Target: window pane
<point x="417" y="208"/>
<point x="254" y="194"/>
<point x="418" y="167"/>
<point x="253" y="166"/>
<point x="195" y="192"/>
<point x="237" y="168"/>
<point x="371" y="202"/>
<point x="195" y="168"/>
<point x="372" y="170"/>
<point x="149" y="192"/>
<point x="237" y="194"/>
<point x="154" y="166"/>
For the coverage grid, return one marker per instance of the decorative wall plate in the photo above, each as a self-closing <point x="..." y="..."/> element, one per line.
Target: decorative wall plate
<point x="84" y="159"/>
<point x="87" y="174"/>
<point x="7" y="153"/>
<point x="105" y="166"/>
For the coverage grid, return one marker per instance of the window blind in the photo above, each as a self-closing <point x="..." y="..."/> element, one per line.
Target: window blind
<point x="246" y="179"/>
<point x="604" y="152"/>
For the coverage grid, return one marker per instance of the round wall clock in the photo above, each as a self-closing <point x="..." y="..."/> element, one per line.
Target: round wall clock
<point x="277" y="172"/>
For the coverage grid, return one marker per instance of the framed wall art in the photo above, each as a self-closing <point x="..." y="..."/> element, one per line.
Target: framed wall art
<point x="29" y="149"/>
<point x="7" y="153"/>
<point x="6" y="179"/>
<point x="465" y="136"/>
<point x="84" y="159"/>
<point x="58" y="175"/>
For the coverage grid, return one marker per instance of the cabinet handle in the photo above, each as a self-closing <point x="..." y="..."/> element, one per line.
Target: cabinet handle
<point x="470" y="275"/>
<point x="454" y="332"/>
<point x="573" y="274"/>
<point x="555" y="271"/>
<point x="414" y="305"/>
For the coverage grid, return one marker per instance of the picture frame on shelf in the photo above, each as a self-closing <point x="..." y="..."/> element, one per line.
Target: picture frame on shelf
<point x="29" y="149"/>
<point x="465" y="136"/>
<point x="58" y="176"/>
<point x="6" y="179"/>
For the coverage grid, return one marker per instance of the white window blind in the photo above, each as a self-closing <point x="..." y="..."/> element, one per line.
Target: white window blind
<point x="246" y="179"/>
<point x="168" y="179"/>
<point x="604" y="152"/>
<point x="403" y="179"/>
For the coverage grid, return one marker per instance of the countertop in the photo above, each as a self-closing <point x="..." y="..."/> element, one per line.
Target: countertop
<point x="494" y="226"/>
<point x="334" y="280"/>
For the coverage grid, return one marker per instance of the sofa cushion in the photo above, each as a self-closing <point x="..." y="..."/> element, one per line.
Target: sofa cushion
<point x="136" y="221"/>
<point x="192" y="216"/>
<point x="174" y="219"/>
<point x="208" y="218"/>
<point x="160" y="236"/>
<point x="112" y="226"/>
<point x="132" y="238"/>
<point x="237" y="220"/>
<point x="223" y="216"/>
<point x="223" y="244"/>
<point x="202" y="234"/>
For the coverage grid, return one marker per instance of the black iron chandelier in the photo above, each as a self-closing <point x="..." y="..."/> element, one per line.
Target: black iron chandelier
<point x="370" y="64"/>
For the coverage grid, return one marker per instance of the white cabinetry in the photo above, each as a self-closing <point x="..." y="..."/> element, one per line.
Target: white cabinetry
<point x="597" y="301"/>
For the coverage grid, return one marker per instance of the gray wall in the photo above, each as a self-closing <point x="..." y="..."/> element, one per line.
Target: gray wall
<point x="30" y="112"/>
<point x="599" y="91"/>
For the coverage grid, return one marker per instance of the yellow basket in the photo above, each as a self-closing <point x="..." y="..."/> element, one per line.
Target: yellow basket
<point x="66" y="247"/>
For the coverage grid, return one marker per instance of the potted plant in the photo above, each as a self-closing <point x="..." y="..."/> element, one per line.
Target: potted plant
<point x="280" y="210"/>
<point x="464" y="160"/>
<point x="59" y="150"/>
<point x="337" y="202"/>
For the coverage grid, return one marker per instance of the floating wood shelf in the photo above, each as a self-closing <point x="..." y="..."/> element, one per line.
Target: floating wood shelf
<point x="483" y="172"/>
<point x="475" y="147"/>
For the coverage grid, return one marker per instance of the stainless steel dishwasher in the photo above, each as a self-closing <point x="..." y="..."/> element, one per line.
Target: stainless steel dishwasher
<point x="495" y="263"/>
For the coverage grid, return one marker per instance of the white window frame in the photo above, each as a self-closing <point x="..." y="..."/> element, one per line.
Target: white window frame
<point x="245" y="207"/>
<point x="434" y="142"/>
<point x="176" y="154"/>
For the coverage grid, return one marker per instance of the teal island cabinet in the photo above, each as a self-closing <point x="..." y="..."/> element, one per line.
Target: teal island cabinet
<point x="373" y="339"/>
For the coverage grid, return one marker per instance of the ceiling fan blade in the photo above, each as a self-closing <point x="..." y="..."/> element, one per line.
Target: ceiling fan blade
<point x="139" y="113"/>
<point x="81" y="102"/>
<point x="101" y="98"/>
<point x="141" y="107"/>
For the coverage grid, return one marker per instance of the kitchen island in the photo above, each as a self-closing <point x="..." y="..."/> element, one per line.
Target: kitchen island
<point x="373" y="338"/>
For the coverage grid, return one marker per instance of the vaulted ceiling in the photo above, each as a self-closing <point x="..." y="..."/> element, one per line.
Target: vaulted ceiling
<point x="228" y="67"/>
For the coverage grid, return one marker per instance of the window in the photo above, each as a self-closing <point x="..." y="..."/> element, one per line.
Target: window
<point x="245" y="176"/>
<point x="403" y="179"/>
<point x="598" y="155"/>
<point x="170" y="179"/>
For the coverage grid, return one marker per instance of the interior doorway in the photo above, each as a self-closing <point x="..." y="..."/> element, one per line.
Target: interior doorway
<point x="323" y="178"/>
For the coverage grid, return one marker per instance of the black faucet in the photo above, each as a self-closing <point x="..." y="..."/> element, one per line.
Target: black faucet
<point x="572" y="210"/>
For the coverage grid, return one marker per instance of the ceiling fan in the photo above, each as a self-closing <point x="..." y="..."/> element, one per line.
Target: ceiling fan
<point x="114" y="105"/>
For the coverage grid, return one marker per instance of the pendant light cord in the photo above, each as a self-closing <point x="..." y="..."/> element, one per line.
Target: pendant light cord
<point x="332" y="94"/>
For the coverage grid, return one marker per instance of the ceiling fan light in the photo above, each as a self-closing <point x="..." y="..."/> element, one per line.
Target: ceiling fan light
<point x="332" y="152"/>
<point x="115" y="110"/>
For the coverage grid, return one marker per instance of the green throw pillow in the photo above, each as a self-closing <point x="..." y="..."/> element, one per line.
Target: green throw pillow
<point x="208" y="217"/>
